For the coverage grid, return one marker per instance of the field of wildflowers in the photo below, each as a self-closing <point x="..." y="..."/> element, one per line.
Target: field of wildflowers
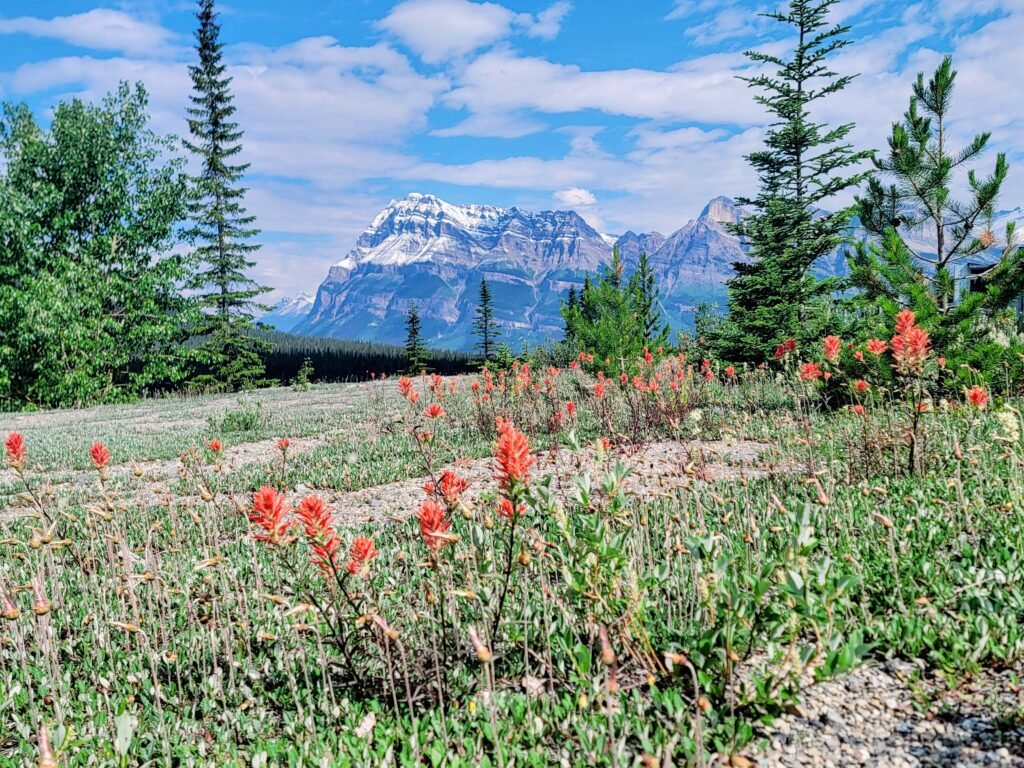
<point x="239" y="617"/>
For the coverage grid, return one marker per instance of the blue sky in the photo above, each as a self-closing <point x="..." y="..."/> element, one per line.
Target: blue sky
<point x="629" y="111"/>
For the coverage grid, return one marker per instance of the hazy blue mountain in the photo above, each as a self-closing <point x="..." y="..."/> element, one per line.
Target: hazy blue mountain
<point x="288" y="312"/>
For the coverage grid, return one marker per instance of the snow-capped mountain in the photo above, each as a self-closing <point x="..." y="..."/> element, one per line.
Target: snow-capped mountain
<point x="426" y="251"/>
<point x="288" y="312"/>
<point x="422" y="249"/>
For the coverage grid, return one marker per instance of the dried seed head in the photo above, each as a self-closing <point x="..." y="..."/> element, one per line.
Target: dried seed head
<point x="483" y="653"/>
<point x="10" y="610"/>
<point x="882" y="520"/>
<point x="607" y="652"/>
<point x="46" y="756"/>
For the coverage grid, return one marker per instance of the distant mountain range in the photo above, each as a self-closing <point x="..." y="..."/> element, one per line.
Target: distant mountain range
<point x="426" y="251"/>
<point x="289" y="312"/>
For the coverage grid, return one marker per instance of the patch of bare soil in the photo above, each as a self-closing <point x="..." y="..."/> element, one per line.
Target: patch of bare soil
<point x="152" y="479"/>
<point x="656" y="469"/>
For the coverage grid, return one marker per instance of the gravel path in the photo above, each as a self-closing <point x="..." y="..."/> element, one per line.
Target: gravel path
<point x="657" y="469"/>
<point x="885" y="715"/>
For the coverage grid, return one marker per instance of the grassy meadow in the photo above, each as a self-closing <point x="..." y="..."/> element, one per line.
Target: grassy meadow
<point x="194" y="591"/>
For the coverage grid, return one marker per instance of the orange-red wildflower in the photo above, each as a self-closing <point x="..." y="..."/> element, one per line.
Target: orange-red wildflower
<point x="270" y="511"/>
<point x="100" y="455"/>
<point x="877" y="346"/>
<point x="810" y="372"/>
<point x="14" y="447"/>
<point x="449" y="486"/>
<point x="977" y="396"/>
<point x="434" y="524"/>
<point x="433" y="411"/>
<point x="833" y="347"/>
<point x="513" y="455"/>
<point x="360" y="554"/>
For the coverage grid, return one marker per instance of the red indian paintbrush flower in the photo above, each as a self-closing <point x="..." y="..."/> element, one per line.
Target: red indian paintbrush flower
<point x="877" y="346"/>
<point x="513" y="455"/>
<point x="506" y="510"/>
<point x="270" y="511"/>
<point x="360" y="555"/>
<point x="977" y="396"/>
<point x="100" y="455"/>
<point x="449" y="486"/>
<point x="905" y="320"/>
<point x="833" y="346"/>
<point x="433" y="411"/>
<point x="215" y="446"/>
<point x="14" y="447"/>
<point x="810" y="372"/>
<point x="316" y="519"/>
<point x="434" y="524"/>
<point x="910" y="345"/>
<point x="861" y="386"/>
<point x="283" y="444"/>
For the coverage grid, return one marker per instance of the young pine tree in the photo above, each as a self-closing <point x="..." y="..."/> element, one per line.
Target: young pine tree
<point x="485" y="327"/>
<point x="804" y="163"/>
<point x="892" y="270"/>
<point x="415" y="349"/>
<point x="606" y="318"/>
<point x="645" y="296"/>
<point x="228" y="352"/>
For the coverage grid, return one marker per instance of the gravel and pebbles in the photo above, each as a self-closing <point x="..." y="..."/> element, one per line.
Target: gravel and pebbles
<point x="888" y="715"/>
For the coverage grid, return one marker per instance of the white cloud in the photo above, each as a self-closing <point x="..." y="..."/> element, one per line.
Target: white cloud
<point x="509" y="126"/>
<point x="501" y="81"/>
<point x="99" y="29"/>
<point x="440" y="30"/>
<point x="575" y="197"/>
<point x="549" y="21"/>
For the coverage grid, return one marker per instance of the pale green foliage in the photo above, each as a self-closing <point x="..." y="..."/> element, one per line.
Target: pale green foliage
<point x="89" y="302"/>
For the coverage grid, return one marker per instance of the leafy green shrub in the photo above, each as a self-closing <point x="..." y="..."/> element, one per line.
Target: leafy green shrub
<point x="247" y="417"/>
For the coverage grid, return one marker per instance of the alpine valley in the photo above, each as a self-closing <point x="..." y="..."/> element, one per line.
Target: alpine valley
<point x="426" y="251"/>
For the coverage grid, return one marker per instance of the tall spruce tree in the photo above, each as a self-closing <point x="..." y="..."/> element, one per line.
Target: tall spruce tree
<point x="645" y="296"/>
<point x="485" y="327"/>
<point x="415" y="349"/>
<point x="228" y="353"/>
<point x="804" y="163"/>
<point x="893" y="271"/>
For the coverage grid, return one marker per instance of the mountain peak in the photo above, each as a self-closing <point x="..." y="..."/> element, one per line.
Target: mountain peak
<point x="722" y="210"/>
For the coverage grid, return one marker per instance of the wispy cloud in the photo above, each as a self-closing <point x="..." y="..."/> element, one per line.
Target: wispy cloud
<point x="99" y="29"/>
